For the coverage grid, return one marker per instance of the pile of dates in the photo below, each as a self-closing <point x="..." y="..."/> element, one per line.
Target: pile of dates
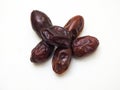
<point x="64" y="41"/>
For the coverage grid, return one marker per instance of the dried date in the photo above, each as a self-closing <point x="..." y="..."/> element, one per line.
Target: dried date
<point x="56" y="35"/>
<point x="64" y="38"/>
<point x="61" y="60"/>
<point x="40" y="20"/>
<point x="41" y="52"/>
<point x="84" y="45"/>
<point x="75" y="25"/>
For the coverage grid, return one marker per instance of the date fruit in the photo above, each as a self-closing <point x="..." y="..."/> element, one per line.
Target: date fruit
<point x="57" y="36"/>
<point x="75" y="25"/>
<point x="65" y="38"/>
<point x="41" y="52"/>
<point x="61" y="60"/>
<point x="39" y="20"/>
<point x="84" y="45"/>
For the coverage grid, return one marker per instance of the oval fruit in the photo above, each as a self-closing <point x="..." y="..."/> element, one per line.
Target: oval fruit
<point x="39" y="20"/>
<point x="57" y="36"/>
<point x="61" y="60"/>
<point x="84" y="45"/>
<point x="41" y="52"/>
<point x="75" y="25"/>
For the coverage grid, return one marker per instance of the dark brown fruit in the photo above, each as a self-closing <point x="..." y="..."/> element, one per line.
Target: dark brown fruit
<point x="39" y="20"/>
<point x="56" y="35"/>
<point x="75" y="25"/>
<point x="41" y="52"/>
<point x="61" y="60"/>
<point x="84" y="45"/>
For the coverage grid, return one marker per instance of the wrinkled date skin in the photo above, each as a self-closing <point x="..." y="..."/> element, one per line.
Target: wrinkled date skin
<point x="61" y="60"/>
<point x="75" y="25"/>
<point x="84" y="45"/>
<point x="57" y="36"/>
<point x="41" y="52"/>
<point x="39" y="20"/>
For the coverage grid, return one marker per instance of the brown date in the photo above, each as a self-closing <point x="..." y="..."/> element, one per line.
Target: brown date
<point x="39" y="20"/>
<point x="84" y="45"/>
<point x="75" y="25"/>
<point x="65" y="38"/>
<point x="56" y="35"/>
<point x="41" y="52"/>
<point x="61" y="60"/>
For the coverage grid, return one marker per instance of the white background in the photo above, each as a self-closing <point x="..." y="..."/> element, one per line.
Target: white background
<point x="98" y="71"/>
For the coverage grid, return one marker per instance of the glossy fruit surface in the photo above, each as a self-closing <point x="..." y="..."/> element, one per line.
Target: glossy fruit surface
<point x="84" y="45"/>
<point x="61" y="60"/>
